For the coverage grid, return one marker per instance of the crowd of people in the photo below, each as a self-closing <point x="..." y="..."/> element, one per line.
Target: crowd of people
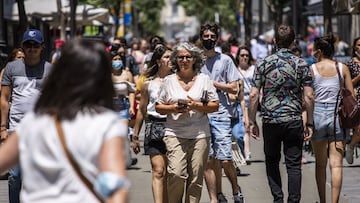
<point x="82" y="113"/>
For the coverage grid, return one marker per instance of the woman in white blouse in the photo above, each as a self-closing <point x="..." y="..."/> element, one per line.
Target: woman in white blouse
<point x="186" y="97"/>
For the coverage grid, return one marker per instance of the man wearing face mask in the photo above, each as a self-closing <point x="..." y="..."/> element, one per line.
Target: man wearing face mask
<point x="224" y="75"/>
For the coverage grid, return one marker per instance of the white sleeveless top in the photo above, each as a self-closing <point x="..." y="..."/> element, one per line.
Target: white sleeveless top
<point x="153" y="90"/>
<point x="326" y="89"/>
<point x="123" y="88"/>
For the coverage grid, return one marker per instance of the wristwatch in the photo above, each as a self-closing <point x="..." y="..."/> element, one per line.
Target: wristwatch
<point x="310" y="125"/>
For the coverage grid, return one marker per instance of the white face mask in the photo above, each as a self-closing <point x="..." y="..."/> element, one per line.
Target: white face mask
<point x="357" y="54"/>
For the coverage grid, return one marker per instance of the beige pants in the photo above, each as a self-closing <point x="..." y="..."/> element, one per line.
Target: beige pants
<point x="186" y="164"/>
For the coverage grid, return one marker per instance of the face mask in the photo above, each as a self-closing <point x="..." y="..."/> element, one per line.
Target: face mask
<point x="357" y="54"/>
<point x="117" y="65"/>
<point x="208" y="44"/>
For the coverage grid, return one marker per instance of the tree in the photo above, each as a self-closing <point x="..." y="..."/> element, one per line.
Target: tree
<point x="148" y="13"/>
<point x="148" y="16"/>
<point x="226" y="9"/>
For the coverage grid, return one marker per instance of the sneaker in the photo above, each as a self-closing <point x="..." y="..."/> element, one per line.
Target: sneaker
<point x="221" y="198"/>
<point x="248" y="158"/>
<point x="239" y="198"/>
<point x="349" y="154"/>
<point x="238" y="171"/>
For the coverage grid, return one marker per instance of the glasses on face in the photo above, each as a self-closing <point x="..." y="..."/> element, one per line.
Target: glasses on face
<point x="182" y="58"/>
<point x="243" y="55"/>
<point x="209" y="36"/>
<point x="29" y="45"/>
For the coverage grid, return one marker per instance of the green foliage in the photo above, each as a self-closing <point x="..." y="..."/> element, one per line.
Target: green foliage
<point x="149" y="12"/>
<point x="205" y="11"/>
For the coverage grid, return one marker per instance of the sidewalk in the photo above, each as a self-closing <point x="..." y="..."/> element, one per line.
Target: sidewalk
<point x="253" y="180"/>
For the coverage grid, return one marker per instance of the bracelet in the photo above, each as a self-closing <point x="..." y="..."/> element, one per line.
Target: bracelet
<point x="135" y="137"/>
<point x="310" y="125"/>
<point x="252" y="122"/>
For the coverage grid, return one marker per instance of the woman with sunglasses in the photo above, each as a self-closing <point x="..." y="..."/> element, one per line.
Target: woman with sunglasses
<point x="244" y="61"/>
<point x="186" y="97"/>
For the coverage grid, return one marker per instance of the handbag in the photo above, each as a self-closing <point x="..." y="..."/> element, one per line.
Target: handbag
<point x="72" y="161"/>
<point x="157" y="131"/>
<point x="348" y="110"/>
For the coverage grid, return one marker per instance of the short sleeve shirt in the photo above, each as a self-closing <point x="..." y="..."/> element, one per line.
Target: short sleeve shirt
<point x="26" y="83"/>
<point x="282" y="76"/>
<point x="193" y="124"/>
<point x="48" y="175"/>
<point x="222" y="69"/>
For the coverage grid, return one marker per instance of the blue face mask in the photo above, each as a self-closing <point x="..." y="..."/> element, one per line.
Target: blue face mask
<point x="117" y="65"/>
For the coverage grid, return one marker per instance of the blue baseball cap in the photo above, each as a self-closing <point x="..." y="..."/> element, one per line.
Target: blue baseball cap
<point x="33" y="35"/>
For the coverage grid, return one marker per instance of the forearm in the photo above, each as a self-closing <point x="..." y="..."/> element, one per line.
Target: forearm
<point x="253" y="104"/>
<point x="209" y="107"/>
<point x="309" y="104"/>
<point x="166" y="108"/>
<point x="4" y="112"/>
<point x="226" y="87"/>
<point x="132" y="100"/>
<point x="138" y="123"/>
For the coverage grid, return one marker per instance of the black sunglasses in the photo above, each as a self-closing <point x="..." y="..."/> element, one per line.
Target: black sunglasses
<point x="181" y="58"/>
<point x="29" y="45"/>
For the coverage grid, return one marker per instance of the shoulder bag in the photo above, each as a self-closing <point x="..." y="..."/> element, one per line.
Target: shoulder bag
<point x="72" y="161"/>
<point x="348" y="110"/>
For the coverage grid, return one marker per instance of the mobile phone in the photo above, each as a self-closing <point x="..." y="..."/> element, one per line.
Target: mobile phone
<point x="182" y="104"/>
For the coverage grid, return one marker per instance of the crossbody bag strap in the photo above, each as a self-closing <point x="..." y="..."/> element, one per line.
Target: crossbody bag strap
<point x="337" y="99"/>
<point x="72" y="161"/>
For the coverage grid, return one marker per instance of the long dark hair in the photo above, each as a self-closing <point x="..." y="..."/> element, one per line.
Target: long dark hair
<point x="153" y="65"/>
<point x="353" y="46"/>
<point x="326" y="45"/>
<point x="243" y="47"/>
<point x="80" y="80"/>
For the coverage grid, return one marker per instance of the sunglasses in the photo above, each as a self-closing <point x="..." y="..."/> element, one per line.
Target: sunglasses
<point x="182" y="58"/>
<point x="32" y="45"/>
<point x="243" y="55"/>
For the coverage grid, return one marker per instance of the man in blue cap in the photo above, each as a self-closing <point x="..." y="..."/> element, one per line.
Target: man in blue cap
<point x="21" y="81"/>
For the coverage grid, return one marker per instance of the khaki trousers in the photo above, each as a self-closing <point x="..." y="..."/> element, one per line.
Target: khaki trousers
<point x="186" y="164"/>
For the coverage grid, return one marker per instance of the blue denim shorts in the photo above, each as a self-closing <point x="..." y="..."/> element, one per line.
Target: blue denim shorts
<point x="324" y="123"/>
<point x="221" y="134"/>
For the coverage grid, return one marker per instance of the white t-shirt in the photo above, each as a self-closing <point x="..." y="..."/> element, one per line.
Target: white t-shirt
<point x="47" y="174"/>
<point x="193" y="124"/>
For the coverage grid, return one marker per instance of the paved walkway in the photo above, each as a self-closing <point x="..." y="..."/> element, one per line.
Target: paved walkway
<point x="253" y="181"/>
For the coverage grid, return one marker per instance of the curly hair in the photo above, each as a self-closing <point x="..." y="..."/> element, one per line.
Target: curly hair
<point x="213" y="27"/>
<point x="284" y="36"/>
<point x="197" y="54"/>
